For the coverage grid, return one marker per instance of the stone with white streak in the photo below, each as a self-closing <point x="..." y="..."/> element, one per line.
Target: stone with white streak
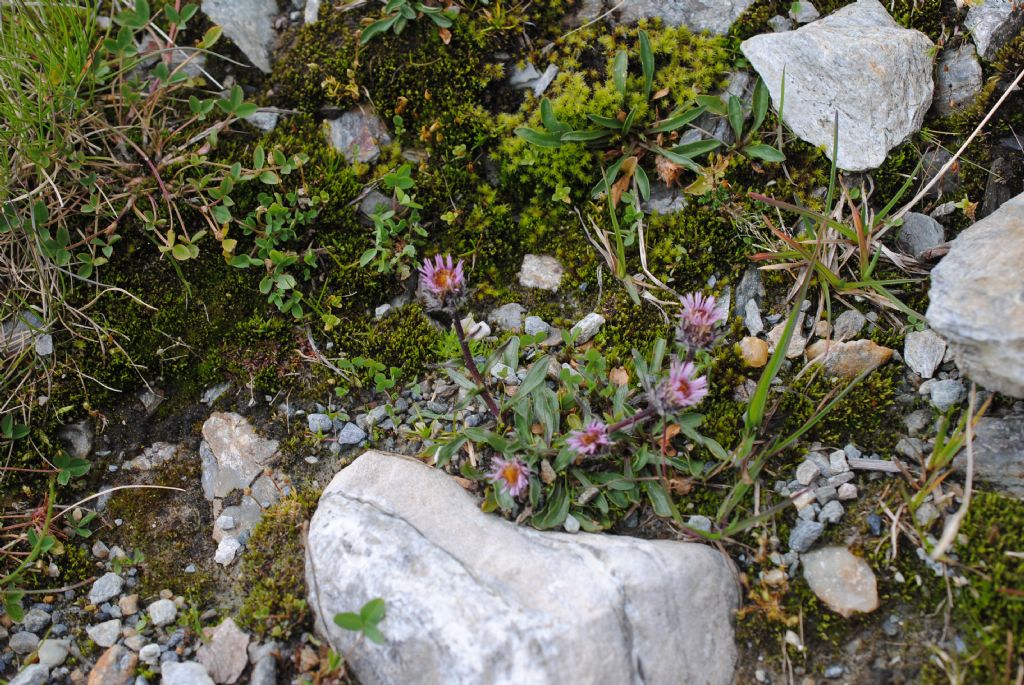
<point x="249" y="24"/>
<point x="233" y="455"/>
<point x="530" y="607"/>
<point x="993" y="23"/>
<point x="358" y="135"/>
<point x="976" y="300"/>
<point x="858" y="62"/>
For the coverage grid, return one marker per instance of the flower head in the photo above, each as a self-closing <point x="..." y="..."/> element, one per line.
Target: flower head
<point x="683" y="388"/>
<point x="590" y="439"/>
<point x="698" y="319"/>
<point x="443" y="278"/>
<point x="510" y="474"/>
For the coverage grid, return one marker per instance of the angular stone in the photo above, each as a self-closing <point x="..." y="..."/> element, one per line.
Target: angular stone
<point x="807" y="472"/>
<point x="587" y="327"/>
<point x="358" y="135"/>
<point x="52" y="653"/>
<point x="957" y="79"/>
<point x="536" y="325"/>
<point x="224" y="652"/>
<point x="919" y="232"/>
<point x="842" y="580"/>
<point x="540" y="271"/>
<point x="105" y="587"/>
<point x="36" y="674"/>
<point x="713" y="16"/>
<point x="389" y="526"/>
<point x="857" y="62"/>
<point x="105" y="634"/>
<point x="803" y="12"/>
<point x="234" y="454"/>
<point x="508" y="317"/>
<point x="848" y="324"/>
<point x="77" y="438"/>
<point x="184" y="673"/>
<point x="115" y="667"/>
<point x="797" y="342"/>
<point x="975" y="299"/>
<point x="153" y="456"/>
<point x="923" y="351"/>
<point x="350" y="434"/>
<point x="249" y="24"/>
<point x="162" y="611"/>
<point x="947" y="393"/>
<point x="227" y="549"/>
<point x="804" y="534"/>
<point x="993" y="23"/>
<point x="849" y="359"/>
<point x="529" y="77"/>
<point x="998" y="454"/>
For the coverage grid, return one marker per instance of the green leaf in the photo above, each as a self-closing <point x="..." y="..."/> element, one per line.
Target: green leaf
<point x="677" y="158"/>
<point x="12" y="605"/>
<point x="373" y="611"/>
<point x="627" y="123"/>
<point x="181" y="252"/>
<point x="555" y="510"/>
<point x="585" y="136"/>
<point x="697" y="147"/>
<point x="760" y="104"/>
<point x="647" y="61"/>
<point x="608" y="122"/>
<point x="676" y="120"/>
<point x="259" y="157"/>
<point x="534" y="379"/>
<point x="211" y="36"/>
<point x="349" y="621"/>
<point x="712" y="103"/>
<point x="765" y="152"/>
<point x="619" y="71"/>
<point x="367" y="256"/>
<point x="660" y="501"/>
<point x="373" y="635"/>
<point x="736" y="116"/>
<point x="538" y="138"/>
<point x="642" y="182"/>
<point x="269" y="178"/>
<point x="379" y="26"/>
<point x="548" y="118"/>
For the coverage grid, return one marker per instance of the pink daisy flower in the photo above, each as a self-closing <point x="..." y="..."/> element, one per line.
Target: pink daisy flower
<point x="442" y="278"/>
<point x="590" y="439"/>
<point x="683" y="388"/>
<point x="698" y="319"/>
<point x="511" y="474"/>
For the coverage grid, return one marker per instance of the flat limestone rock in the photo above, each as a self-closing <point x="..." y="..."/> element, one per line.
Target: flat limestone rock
<point x="233" y="454"/>
<point x="249" y="23"/>
<point x="858" y="62"/>
<point x="976" y="300"/>
<point x="473" y="598"/>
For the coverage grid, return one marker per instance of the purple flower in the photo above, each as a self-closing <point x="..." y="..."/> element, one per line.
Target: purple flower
<point x="511" y="474"/>
<point x="590" y="439"/>
<point x="698" y="319"/>
<point x="683" y="388"/>
<point x="442" y="278"/>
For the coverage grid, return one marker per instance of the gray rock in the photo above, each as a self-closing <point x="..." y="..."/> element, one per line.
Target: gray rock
<point x="311" y="12"/>
<point x="842" y="580"/>
<point x="807" y="472"/>
<point x="390" y="527"/>
<point x="52" y="653"/>
<point x="105" y="634"/>
<point x="377" y="415"/>
<point x="957" y="79"/>
<point x="35" y="620"/>
<point x="999" y="454"/>
<point x="803" y="12"/>
<point x="375" y="201"/>
<point x="975" y="299"/>
<point x="535" y="326"/>
<point x="264" y="119"/>
<point x="224" y="652"/>
<point x="184" y="673"/>
<point x="540" y="271"/>
<point x="153" y="456"/>
<point x="837" y="462"/>
<point x="249" y="24"/>
<point x="804" y="534"/>
<point x="932" y="162"/>
<point x="77" y="438"/>
<point x="832" y="512"/>
<point x="664" y="199"/>
<point x="528" y="76"/>
<point x="319" y="423"/>
<point x="233" y="455"/>
<point x="214" y="393"/>
<point x="993" y="23"/>
<point x="917" y="421"/>
<point x="44" y="345"/>
<point x="919" y="232"/>
<point x="503" y="372"/>
<point x="350" y="434"/>
<point x="106" y="587"/>
<point x="947" y="393"/>
<point x="17" y="333"/>
<point x="752" y="318"/>
<point x="162" y="611"/>
<point x="358" y="135"/>
<point x="750" y="288"/>
<point x="227" y="550"/>
<point x="779" y="23"/>
<point x="150" y="654"/>
<point x="923" y="351"/>
<point x="824" y="63"/>
<point x="848" y="325"/>
<point x="23" y="642"/>
<point x="926" y="514"/>
<point x="264" y="672"/>
<point x="587" y="327"/>
<point x="115" y="667"/>
<point x="508" y="317"/>
<point x="36" y="674"/>
<point x="713" y="16"/>
<point x="1005" y="180"/>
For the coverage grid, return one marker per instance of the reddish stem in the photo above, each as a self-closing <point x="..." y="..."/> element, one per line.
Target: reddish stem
<point x="473" y="370"/>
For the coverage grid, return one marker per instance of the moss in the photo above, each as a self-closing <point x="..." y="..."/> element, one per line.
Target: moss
<point x="990" y="607"/>
<point x="405" y="339"/>
<point x="163" y="525"/>
<point x="273" y="576"/>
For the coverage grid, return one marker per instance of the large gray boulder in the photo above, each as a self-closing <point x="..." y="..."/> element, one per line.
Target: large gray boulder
<point x="858" y="62"/>
<point x="993" y="23"/>
<point x="713" y="16"/>
<point x="474" y="599"/>
<point x="999" y="454"/>
<point x="976" y="300"/>
<point x="249" y="24"/>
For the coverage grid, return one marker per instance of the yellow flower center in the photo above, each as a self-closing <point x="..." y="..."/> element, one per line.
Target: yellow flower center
<point x="443" y="279"/>
<point x="510" y="474"/>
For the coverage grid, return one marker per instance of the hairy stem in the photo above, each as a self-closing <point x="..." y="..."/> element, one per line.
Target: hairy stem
<point x="473" y="370"/>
